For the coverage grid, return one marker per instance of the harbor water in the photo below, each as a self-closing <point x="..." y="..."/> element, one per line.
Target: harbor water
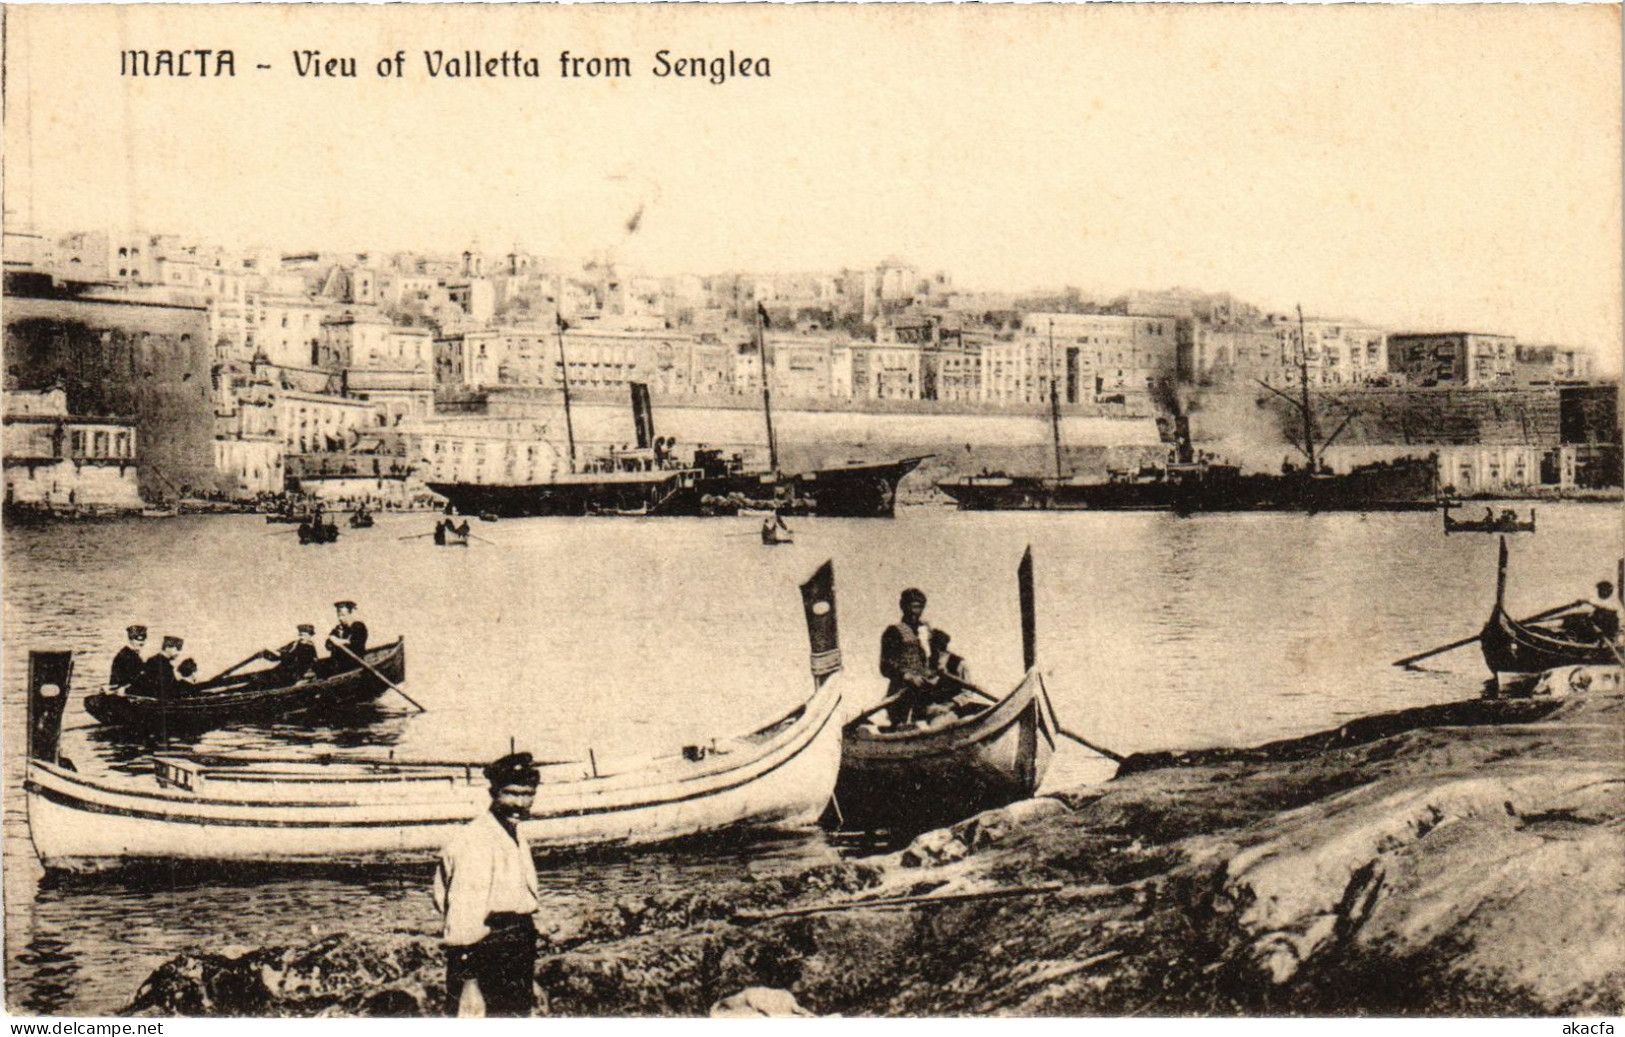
<point x="637" y="636"/>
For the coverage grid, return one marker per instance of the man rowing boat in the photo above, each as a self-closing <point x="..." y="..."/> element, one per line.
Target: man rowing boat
<point x="350" y="634"/>
<point x="158" y="678"/>
<point x="914" y="658"/>
<point x="292" y="662"/>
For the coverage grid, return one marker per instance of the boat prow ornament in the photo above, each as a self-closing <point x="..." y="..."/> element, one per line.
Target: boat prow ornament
<point x="823" y="634"/>
<point x="50" y="675"/>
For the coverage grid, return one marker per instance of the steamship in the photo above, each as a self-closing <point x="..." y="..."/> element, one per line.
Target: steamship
<point x="1190" y="482"/>
<point x="651" y="480"/>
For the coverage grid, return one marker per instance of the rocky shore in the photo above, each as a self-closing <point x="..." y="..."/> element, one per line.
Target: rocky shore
<point x="1465" y="859"/>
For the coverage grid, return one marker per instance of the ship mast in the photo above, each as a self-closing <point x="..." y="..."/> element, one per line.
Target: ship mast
<point x="564" y="375"/>
<point x="1303" y="384"/>
<point x="1054" y="403"/>
<point x="767" y="394"/>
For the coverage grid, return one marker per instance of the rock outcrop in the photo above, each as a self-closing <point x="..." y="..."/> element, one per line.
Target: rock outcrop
<point x="1454" y="860"/>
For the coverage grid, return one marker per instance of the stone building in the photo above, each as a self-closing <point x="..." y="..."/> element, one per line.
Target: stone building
<point x="1454" y="358"/>
<point x="67" y="463"/>
<point x="1094" y="354"/>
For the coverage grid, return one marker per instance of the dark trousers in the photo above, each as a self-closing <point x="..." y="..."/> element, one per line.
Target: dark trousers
<point x="504" y="964"/>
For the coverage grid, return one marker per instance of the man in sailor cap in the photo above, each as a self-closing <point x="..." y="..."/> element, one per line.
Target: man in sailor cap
<point x="128" y="662"/>
<point x="158" y="673"/>
<point x="486" y="889"/>
<point x="292" y="661"/>
<point x="351" y="634"/>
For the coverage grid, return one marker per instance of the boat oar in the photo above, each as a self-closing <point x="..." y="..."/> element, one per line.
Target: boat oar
<point x="1092" y="747"/>
<point x="370" y="668"/>
<point x="892" y="699"/>
<point x="476" y="536"/>
<point x="872" y="710"/>
<point x="419" y="536"/>
<point x="228" y="671"/>
<point x="1464" y="642"/>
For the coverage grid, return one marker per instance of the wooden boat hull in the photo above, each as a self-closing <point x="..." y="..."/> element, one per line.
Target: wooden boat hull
<point x="859" y="490"/>
<point x="1454" y="526"/>
<point x="326" y="534"/>
<point x="1511" y="647"/>
<point x="925" y="779"/>
<point x="780" y="775"/>
<point x="1407" y="484"/>
<point x="632" y="493"/>
<point x="237" y="701"/>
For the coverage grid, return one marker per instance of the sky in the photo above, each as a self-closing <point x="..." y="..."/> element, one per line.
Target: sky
<point x="1445" y="168"/>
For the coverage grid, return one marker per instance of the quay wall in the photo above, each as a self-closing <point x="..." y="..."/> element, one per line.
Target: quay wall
<point x="64" y="484"/>
<point x="1503" y="430"/>
<point x="962" y="442"/>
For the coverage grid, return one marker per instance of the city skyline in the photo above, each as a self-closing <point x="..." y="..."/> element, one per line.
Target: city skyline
<point x="1412" y="168"/>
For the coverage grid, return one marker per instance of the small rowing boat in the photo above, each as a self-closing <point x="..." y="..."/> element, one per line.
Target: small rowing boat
<point x="448" y="535"/>
<point x="1506" y="522"/>
<point x="318" y="531"/>
<point x="979" y="754"/>
<point x="245" y="698"/>
<point x="1515" y="651"/>
<point x="321" y="811"/>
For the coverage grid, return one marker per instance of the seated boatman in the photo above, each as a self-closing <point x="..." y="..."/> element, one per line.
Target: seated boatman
<point x="351" y="634"/>
<point x="127" y="663"/>
<point x="292" y="662"/>
<point x="158" y="678"/>
<point x="486" y="889"/>
<point x="1604" y="612"/>
<point x="913" y="657"/>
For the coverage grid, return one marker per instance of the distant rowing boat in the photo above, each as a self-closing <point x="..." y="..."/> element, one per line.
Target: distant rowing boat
<point x="1506" y="522"/>
<point x="320" y="811"/>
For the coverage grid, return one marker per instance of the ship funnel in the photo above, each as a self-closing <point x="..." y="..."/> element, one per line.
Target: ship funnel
<point x="643" y="415"/>
<point x="1182" y="436"/>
